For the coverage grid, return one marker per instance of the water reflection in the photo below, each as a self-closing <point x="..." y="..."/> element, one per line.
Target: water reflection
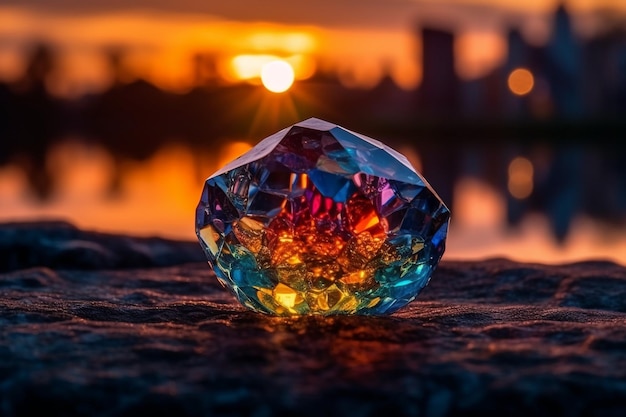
<point x="158" y="196"/>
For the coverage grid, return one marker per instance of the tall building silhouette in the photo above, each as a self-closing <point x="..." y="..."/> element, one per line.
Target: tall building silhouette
<point x="439" y="92"/>
<point x="563" y="67"/>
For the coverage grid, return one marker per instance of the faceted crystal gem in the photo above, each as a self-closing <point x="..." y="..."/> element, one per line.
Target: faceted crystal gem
<point x="317" y="219"/>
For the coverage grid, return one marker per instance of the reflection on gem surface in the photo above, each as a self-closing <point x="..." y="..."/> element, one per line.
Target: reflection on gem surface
<point x="317" y="219"/>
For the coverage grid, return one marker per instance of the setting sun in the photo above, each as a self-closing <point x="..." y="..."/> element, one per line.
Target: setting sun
<point x="277" y="76"/>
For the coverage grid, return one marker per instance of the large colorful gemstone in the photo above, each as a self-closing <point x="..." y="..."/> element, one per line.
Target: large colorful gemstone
<point x="317" y="219"/>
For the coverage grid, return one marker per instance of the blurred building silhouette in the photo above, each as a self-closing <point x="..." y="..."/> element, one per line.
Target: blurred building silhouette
<point x="563" y="66"/>
<point x="439" y="92"/>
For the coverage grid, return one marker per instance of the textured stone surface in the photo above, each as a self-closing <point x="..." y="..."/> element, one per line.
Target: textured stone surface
<point x="492" y="337"/>
<point x="61" y="245"/>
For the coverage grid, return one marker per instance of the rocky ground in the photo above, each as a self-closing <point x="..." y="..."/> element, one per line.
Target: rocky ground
<point x="101" y="325"/>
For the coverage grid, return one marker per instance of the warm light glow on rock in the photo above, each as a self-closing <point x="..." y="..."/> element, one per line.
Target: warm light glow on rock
<point x="521" y="81"/>
<point x="277" y="76"/>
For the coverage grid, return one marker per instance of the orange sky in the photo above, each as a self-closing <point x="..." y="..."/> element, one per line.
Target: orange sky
<point x="357" y="37"/>
<point x="327" y="13"/>
<point x="166" y="59"/>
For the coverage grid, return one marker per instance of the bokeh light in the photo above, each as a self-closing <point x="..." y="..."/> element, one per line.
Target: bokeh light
<point x="521" y="81"/>
<point x="520" y="182"/>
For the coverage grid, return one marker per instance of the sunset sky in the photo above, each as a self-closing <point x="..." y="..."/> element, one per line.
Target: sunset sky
<point x="359" y="38"/>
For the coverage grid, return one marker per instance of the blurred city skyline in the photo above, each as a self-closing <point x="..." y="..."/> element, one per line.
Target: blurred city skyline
<point x="361" y="41"/>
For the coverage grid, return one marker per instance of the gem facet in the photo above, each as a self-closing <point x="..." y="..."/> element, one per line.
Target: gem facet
<point x="317" y="219"/>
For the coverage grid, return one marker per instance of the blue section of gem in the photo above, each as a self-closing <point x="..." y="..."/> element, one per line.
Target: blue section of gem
<point x="440" y="235"/>
<point x="333" y="186"/>
<point x="374" y="160"/>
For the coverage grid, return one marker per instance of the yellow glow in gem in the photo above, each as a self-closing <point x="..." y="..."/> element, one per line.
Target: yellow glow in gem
<point x="285" y="296"/>
<point x="250" y="233"/>
<point x="322" y="302"/>
<point x="348" y="304"/>
<point x="355" y="277"/>
<point x="373" y="302"/>
<point x="316" y="271"/>
<point x="294" y="260"/>
<point x="251" y="224"/>
<point x="210" y="237"/>
<point x="417" y="247"/>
